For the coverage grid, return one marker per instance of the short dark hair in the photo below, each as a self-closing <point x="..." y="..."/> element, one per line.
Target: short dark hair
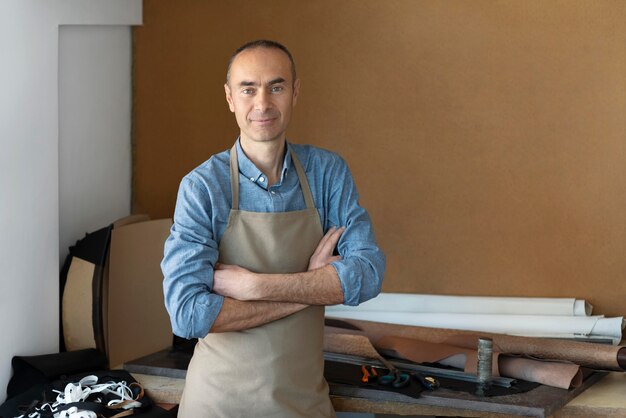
<point x="262" y="43"/>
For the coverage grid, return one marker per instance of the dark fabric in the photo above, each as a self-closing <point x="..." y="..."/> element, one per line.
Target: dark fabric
<point x="94" y="248"/>
<point x="33" y="370"/>
<point x="42" y="393"/>
<point x="183" y="344"/>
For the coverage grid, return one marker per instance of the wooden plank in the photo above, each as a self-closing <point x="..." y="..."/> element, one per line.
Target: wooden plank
<point x="542" y="401"/>
<point x="346" y="404"/>
<point x="162" y="375"/>
<point x="161" y="389"/>
<point x="604" y="399"/>
<point x="169" y="390"/>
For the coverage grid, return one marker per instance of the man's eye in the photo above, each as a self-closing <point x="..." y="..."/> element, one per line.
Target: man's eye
<point x="247" y="91"/>
<point x="277" y="89"/>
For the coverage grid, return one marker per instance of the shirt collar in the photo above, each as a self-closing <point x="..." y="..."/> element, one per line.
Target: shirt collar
<point x="251" y="171"/>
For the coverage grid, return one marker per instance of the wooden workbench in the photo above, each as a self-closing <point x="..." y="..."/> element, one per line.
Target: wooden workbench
<point x="606" y="398"/>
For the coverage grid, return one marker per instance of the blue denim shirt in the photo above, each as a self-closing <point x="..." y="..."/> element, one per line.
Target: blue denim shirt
<point x="202" y="209"/>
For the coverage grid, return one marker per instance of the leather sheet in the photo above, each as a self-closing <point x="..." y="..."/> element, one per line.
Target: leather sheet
<point x="77" y="306"/>
<point x="595" y="356"/>
<point x="558" y="374"/>
<point x="552" y="373"/>
<point x="355" y="345"/>
<point x="83" y="287"/>
<point x="425" y="352"/>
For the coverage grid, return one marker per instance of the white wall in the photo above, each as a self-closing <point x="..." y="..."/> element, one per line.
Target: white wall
<point x="94" y="129"/>
<point x="29" y="165"/>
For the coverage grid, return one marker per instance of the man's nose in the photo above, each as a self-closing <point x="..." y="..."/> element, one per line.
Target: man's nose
<point x="262" y="101"/>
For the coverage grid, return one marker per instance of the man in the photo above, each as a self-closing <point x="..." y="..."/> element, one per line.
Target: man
<point x="247" y="266"/>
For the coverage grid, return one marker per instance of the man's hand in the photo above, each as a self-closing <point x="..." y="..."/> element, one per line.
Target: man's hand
<point x="323" y="254"/>
<point x="234" y="282"/>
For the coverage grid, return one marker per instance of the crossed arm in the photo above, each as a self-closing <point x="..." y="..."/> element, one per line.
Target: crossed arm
<point x="201" y="297"/>
<point x="253" y="299"/>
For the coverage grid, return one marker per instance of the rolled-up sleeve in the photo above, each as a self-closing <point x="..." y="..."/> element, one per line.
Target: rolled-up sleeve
<point x="190" y="254"/>
<point x="362" y="265"/>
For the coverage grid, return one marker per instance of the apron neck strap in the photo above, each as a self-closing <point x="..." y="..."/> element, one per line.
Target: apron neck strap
<point x="234" y="179"/>
<point x="304" y="183"/>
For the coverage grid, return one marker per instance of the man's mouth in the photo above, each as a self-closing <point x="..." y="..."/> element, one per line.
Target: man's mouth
<point x="264" y="121"/>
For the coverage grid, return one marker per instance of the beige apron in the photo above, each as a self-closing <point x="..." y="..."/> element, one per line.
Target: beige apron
<point x="275" y="370"/>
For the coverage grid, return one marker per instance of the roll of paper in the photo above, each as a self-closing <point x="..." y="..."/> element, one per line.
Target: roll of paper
<point x="418" y="303"/>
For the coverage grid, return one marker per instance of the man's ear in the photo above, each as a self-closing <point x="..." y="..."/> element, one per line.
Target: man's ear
<point x="229" y="97"/>
<point x="296" y="91"/>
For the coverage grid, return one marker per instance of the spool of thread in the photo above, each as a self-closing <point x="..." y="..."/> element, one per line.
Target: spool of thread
<point x="485" y="355"/>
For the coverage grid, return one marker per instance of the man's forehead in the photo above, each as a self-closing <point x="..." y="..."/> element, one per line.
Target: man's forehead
<point x="260" y="64"/>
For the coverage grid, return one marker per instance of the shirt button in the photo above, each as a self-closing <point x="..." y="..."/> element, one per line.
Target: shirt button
<point x="273" y="192"/>
<point x="251" y="178"/>
<point x="261" y="179"/>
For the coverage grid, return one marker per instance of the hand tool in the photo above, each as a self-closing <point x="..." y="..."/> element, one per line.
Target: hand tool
<point x="428" y="382"/>
<point x="394" y="377"/>
<point x="368" y="376"/>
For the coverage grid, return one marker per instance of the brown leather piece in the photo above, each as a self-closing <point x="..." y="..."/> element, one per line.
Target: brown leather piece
<point x="594" y="356"/>
<point x="425" y="352"/>
<point x="552" y="373"/>
<point x="355" y="345"/>
<point x="558" y="374"/>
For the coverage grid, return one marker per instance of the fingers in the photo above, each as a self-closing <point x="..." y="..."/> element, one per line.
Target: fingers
<point x="323" y="254"/>
<point x="329" y="236"/>
<point x="329" y="242"/>
<point x="334" y="258"/>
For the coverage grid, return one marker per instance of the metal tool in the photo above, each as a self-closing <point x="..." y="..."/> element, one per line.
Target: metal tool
<point x="485" y="356"/>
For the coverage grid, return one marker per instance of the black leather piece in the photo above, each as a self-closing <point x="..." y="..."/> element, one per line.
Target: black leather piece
<point x="33" y="370"/>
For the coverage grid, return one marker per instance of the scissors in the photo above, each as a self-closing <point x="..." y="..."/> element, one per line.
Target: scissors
<point x="394" y="377"/>
<point x="370" y="375"/>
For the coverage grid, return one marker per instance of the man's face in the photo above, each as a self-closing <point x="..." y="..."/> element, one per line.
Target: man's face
<point x="262" y="94"/>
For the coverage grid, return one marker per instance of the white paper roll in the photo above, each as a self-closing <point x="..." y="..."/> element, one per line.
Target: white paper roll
<point x="400" y="302"/>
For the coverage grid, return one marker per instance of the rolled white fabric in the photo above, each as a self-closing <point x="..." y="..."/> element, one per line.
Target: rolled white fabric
<point x="524" y="325"/>
<point x="418" y="303"/>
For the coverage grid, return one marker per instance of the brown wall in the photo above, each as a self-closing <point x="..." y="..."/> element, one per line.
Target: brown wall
<point x="487" y="138"/>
